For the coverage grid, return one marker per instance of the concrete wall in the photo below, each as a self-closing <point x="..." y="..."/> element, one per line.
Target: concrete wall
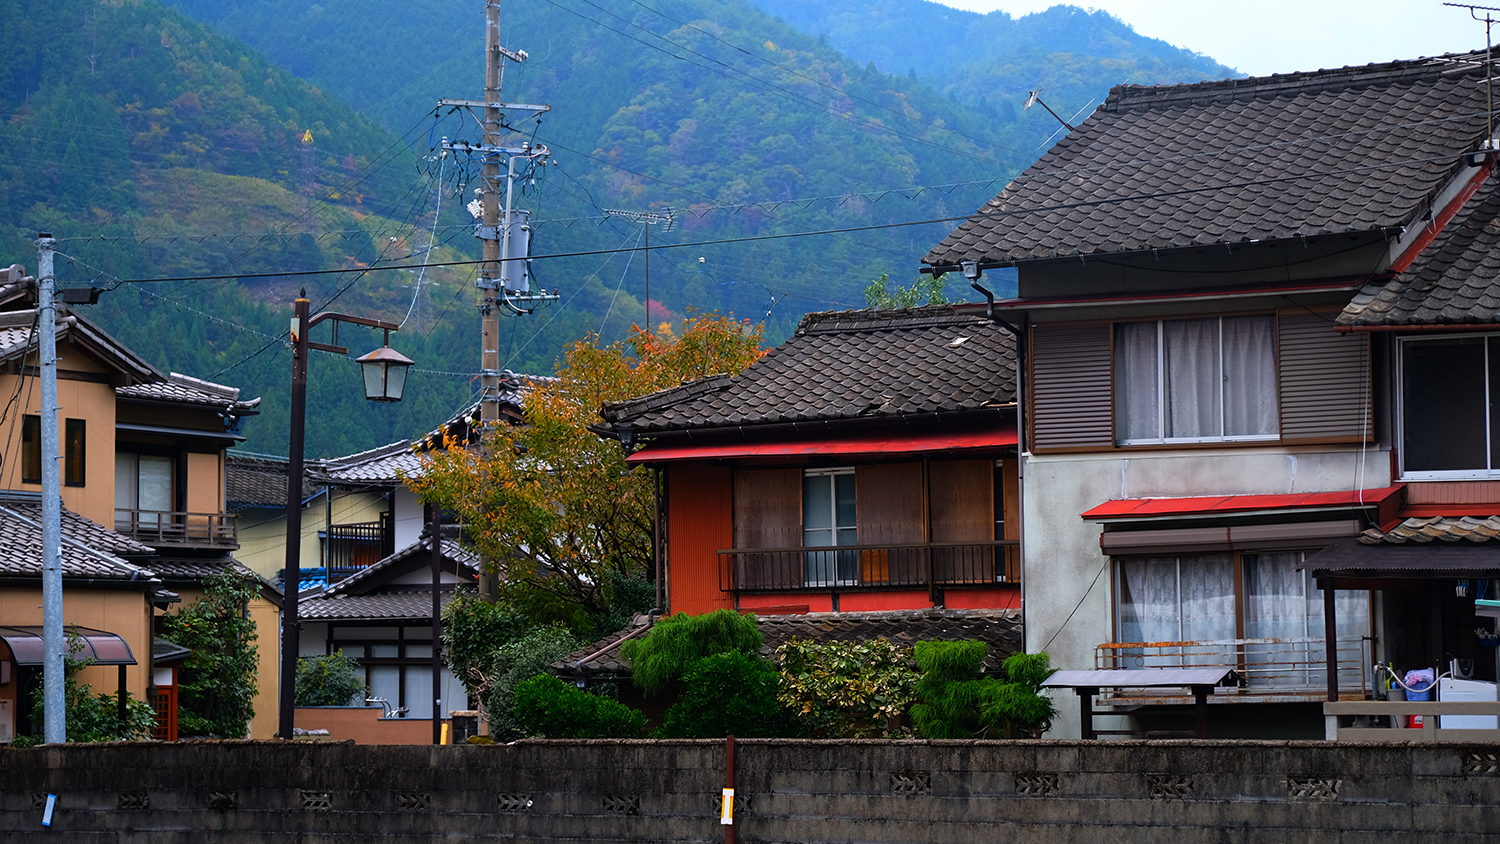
<point x="803" y="791"/>
<point x="1069" y="604"/>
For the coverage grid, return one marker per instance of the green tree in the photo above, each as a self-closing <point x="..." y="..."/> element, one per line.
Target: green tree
<point x="927" y="290"/>
<point x="956" y="702"/>
<point x="660" y="659"/>
<point x="217" y="692"/>
<point x="330" y="680"/>
<point x="549" y="708"/>
<point x="514" y="663"/>
<point x="732" y="693"/>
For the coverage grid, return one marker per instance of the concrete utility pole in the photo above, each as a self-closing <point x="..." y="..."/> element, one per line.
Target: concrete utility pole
<point x="55" y="725"/>
<point x="502" y="280"/>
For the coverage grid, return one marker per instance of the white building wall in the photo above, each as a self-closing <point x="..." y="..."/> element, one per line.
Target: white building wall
<point x="409" y="519"/>
<point x="1066" y="573"/>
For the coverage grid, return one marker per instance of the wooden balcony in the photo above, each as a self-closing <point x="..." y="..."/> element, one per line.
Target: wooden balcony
<point x="935" y="565"/>
<point x="176" y="529"/>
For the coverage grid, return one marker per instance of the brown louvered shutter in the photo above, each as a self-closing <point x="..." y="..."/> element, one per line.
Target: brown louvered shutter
<point x="1071" y="395"/>
<point x="768" y="514"/>
<point x="890" y="512"/>
<point x="1325" y="381"/>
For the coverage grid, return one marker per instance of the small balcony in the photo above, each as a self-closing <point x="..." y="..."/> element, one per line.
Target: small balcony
<point x="177" y="529"/>
<point x="358" y="545"/>
<point x="1275" y="670"/>
<point x="935" y="565"/>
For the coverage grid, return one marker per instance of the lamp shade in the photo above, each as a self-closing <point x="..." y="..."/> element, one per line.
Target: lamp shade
<point x="385" y="374"/>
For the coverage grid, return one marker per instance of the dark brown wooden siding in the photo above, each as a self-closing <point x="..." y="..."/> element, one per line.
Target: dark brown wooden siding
<point x="1071" y="395"/>
<point x="1325" y="381"/>
<point x="767" y="514"/>
<point x="963" y="510"/>
<point x="890" y="510"/>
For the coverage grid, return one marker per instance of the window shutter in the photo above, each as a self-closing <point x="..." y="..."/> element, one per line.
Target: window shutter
<point x="1071" y="393"/>
<point x="891" y="512"/>
<point x="767" y="514"/>
<point x="963" y="510"/>
<point x="1325" y="381"/>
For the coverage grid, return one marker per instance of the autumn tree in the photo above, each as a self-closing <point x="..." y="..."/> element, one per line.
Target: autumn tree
<point x="566" y="522"/>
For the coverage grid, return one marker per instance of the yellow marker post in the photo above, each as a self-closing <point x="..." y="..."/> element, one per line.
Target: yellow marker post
<point x="444" y="739"/>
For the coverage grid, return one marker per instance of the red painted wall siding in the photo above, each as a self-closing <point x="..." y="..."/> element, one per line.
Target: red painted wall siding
<point x="699" y="523"/>
<point x="815" y="601"/>
<point x="1001" y="598"/>
<point x="916" y="599"/>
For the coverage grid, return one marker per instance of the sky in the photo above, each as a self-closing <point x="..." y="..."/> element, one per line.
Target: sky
<point x="1281" y="36"/>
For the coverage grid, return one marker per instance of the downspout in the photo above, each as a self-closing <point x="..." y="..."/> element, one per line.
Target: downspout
<point x="973" y="273"/>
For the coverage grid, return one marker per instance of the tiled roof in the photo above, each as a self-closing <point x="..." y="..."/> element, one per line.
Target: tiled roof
<point x="183" y="389"/>
<point x="847" y="365"/>
<point x="1000" y="629"/>
<point x="1264" y="158"/>
<point x="407" y="603"/>
<point x="259" y="480"/>
<point x="452" y="551"/>
<point x="16" y="338"/>
<point x="1454" y="281"/>
<point x="1436" y="529"/>
<point x="512" y="394"/>
<point x="89" y="550"/>
<point x="376" y="466"/>
<point x="188" y="568"/>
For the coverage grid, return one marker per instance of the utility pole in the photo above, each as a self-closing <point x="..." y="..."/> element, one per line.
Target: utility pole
<point x="55" y="725"/>
<point x="647" y="219"/>
<point x="502" y="280"/>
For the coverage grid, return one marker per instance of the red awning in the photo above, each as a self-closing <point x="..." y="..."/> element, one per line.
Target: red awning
<point x="884" y="442"/>
<point x="1147" y="508"/>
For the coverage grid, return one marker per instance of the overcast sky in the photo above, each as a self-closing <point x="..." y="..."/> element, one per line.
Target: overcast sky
<point x="1280" y="36"/>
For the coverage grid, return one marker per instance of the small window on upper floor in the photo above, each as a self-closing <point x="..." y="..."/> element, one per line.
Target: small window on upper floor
<point x="31" y="449"/>
<point x="1196" y="380"/>
<point x="1449" y="425"/>
<point x="75" y="452"/>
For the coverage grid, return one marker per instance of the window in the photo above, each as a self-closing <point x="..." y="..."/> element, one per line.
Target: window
<point x="1449" y="427"/>
<point x="1202" y="598"/>
<point x="828" y="519"/>
<point x="75" y="451"/>
<point x="31" y="449"/>
<point x="144" y="488"/>
<point x="1196" y="380"/>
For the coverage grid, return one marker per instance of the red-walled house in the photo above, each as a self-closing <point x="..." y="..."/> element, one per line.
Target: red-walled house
<point x="866" y="464"/>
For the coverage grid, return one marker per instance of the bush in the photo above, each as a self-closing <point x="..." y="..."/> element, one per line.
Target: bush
<point x="547" y="707"/>
<point x="90" y="717"/>
<point x="516" y="662"/>
<point x="847" y="689"/>
<point x="660" y="659"/>
<point x="728" y="694"/>
<point x="331" y="680"/>
<point x="956" y="702"/>
<point x="473" y="630"/>
<point x="216" y="694"/>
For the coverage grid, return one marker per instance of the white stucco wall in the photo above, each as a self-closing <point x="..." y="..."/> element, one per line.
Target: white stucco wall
<point x="1066" y="572"/>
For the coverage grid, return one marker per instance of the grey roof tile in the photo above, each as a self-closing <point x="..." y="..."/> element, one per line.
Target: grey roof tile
<point x="1352" y="149"/>
<point x="1437" y="529"/>
<point x="846" y="365"/>
<point x="183" y="389"/>
<point x="89" y="550"/>
<point x="412" y="603"/>
<point x="452" y="550"/>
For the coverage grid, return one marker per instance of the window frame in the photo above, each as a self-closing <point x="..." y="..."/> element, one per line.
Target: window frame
<point x="75" y="460"/>
<point x="1491" y="471"/>
<point x="31" y="448"/>
<point x="834" y="528"/>
<point x="1161" y="384"/>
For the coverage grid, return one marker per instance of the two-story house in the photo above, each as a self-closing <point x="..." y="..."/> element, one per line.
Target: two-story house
<point x="1196" y="425"/>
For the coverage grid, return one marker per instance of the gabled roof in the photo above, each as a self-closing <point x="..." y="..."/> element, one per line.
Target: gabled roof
<point x="183" y="389"/>
<point x="1357" y="149"/>
<point x="1455" y="280"/>
<point x="17" y="338"/>
<point x="456" y="559"/>
<point x="369" y="595"/>
<point x="259" y="480"/>
<point x="376" y="466"/>
<point x="90" y="551"/>
<point x="846" y="366"/>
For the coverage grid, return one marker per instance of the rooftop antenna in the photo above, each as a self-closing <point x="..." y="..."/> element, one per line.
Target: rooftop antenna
<point x="1489" y="63"/>
<point x="1035" y="98"/>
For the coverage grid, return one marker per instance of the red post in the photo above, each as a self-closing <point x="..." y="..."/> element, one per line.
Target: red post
<point x="729" y="788"/>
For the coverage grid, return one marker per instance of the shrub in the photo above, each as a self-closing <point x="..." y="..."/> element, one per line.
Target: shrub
<point x="473" y="630"/>
<point x="846" y="689"/>
<point x="549" y="708"/>
<point x="956" y="702"/>
<point x="660" y="659"/>
<point x="216" y="694"/>
<point x="331" y="680"/>
<point x="730" y="693"/>
<point x="514" y="663"/>
<point x="90" y="717"/>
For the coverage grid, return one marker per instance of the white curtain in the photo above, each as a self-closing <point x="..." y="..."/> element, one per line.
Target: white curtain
<point x="1148" y="605"/>
<point x="1249" y="376"/>
<point x="1191" y="349"/>
<point x="1136" y="402"/>
<point x="1170" y="599"/>
<point x="1276" y="608"/>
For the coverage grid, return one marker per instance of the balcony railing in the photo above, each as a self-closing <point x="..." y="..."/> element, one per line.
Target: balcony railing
<point x="176" y="529"/>
<point x="358" y="545"/>
<point x="1284" y="669"/>
<point x="850" y="567"/>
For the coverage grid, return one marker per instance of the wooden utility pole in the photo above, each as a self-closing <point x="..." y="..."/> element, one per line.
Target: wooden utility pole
<point x="502" y="281"/>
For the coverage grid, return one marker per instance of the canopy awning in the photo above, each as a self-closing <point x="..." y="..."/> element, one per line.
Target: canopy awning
<point x="1351" y="558"/>
<point x="99" y="647"/>
<point x="1127" y="509"/>
<point x="881" y="442"/>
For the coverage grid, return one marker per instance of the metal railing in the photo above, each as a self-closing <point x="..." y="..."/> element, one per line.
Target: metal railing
<point x="1284" y="668"/>
<point x="358" y="545"/>
<point x="895" y="566"/>
<point x="172" y="528"/>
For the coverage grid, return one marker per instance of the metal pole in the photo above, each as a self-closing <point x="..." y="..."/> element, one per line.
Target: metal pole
<point x="55" y="726"/>
<point x="291" y="575"/>
<point x="435" y="538"/>
<point x="489" y="324"/>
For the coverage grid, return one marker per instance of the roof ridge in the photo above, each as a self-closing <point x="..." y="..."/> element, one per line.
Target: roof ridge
<point x="232" y="393"/>
<point x="875" y="319"/>
<point x="616" y="411"/>
<point x="1127" y="96"/>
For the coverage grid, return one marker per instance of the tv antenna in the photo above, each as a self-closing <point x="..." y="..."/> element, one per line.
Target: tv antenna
<point x="1035" y="98"/>
<point x="1489" y="63"/>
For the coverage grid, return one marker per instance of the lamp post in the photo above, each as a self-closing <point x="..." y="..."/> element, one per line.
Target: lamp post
<point x="385" y="379"/>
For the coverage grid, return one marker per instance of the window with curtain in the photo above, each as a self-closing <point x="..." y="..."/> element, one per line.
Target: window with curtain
<point x="828" y="519"/>
<point x="1449" y="427"/>
<point x="144" y="488"/>
<point x="1196" y="380"/>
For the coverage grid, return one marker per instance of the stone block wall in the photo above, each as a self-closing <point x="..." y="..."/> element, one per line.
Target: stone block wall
<point x="787" y="791"/>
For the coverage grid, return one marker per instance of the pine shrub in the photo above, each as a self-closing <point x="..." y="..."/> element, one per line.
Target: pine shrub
<point x="659" y="661"/>
<point x="546" y="707"/>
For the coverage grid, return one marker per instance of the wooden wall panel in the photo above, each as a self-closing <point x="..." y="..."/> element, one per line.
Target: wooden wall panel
<point x="889" y="501"/>
<point x="699" y="523"/>
<point x="963" y="510"/>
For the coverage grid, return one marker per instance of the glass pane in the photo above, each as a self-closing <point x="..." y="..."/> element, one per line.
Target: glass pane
<point x="385" y="651"/>
<point x="1276" y="606"/>
<point x="844" y="501"/>
<point x="817" y="505"/>
<point x="419" y="651"/>
<point x="1443" y="405"/>
<point x="31" y="449"/>
<point x="1135" y="382"/>
<point x="1208" y="605"/>
<point x="385" y="682"/>
<point x="418" y="691"/>
<point x="74" y="452"/>
<point x="124" y="481"/>
<point x="1190" y="348"/>
<point x="820" y="568"/>
<point x="1249" y="376"/>
<point x="155" y="488"/>
<point x="1148" y="607"/>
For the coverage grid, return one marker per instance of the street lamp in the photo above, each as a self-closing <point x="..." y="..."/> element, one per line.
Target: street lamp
<point x="385" y="378"/>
